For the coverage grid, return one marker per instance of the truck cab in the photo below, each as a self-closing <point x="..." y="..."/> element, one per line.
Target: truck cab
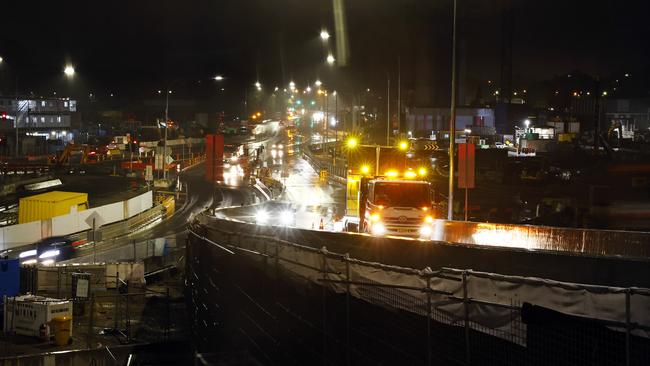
<point x="398" y="207"/>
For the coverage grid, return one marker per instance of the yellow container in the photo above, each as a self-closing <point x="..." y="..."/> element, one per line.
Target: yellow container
<point x="47" y="205"/>
<point x="62" y="330"/>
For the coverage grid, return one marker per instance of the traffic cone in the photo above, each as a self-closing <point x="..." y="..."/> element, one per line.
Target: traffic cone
<point x="321" y="226"/>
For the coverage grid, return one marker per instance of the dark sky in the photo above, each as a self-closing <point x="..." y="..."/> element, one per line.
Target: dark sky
<point x="136" y="46"/>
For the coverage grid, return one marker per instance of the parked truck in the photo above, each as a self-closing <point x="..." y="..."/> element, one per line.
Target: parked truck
<point x="389" y="197"/>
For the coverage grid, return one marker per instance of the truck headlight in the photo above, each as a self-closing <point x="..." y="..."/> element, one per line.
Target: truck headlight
<point x="286" y="217"/>
<point x="426" y="231"/>
<point x="262" y="216"/>
<point x="375" y="217"/>
<point x="378" y="228"/>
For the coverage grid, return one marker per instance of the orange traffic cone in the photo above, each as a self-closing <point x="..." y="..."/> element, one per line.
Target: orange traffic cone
<point x="321" y="226"/>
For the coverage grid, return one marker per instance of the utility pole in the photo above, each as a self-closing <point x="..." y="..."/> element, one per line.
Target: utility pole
<point x="399" y="93"/>
<point x="597" y="118"/>
<point x="16" y="117"/>
<point x="388" y="111"/>
<point x="165" y="140"/>
<point x="452" y="120"/>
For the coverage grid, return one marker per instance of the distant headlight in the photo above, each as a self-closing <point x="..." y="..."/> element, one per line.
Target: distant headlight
<point x="378" y="229"/>
<point x="286" y="217"/>
<point x="49" y="254"/>
<point x="280" y="146"/>
<point x="262" y="216"/>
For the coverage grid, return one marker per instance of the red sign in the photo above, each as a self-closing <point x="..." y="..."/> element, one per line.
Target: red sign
<point x="214" y="157"/>
<point x="466" y="166"/>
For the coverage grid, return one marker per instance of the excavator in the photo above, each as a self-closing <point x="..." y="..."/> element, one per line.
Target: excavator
<point x="76" y="154"/>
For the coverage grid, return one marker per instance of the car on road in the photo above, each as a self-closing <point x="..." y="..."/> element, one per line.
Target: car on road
<point x="50" y="250"/>
<point x="276" y="213"/>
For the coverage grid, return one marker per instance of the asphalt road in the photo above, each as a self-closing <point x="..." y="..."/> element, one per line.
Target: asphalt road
<point x="198" y="195"/>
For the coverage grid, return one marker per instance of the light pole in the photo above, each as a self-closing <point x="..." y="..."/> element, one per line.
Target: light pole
<point x="452" y="119"/>
<point x="168" y="91"/>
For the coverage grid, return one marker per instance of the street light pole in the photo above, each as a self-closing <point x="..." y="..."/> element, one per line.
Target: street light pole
<point x="452" y="120"/>
<point x="165" y="139"/>
<point x="388" y="112"/>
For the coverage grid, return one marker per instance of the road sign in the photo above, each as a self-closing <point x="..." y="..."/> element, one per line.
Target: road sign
<point x="94" y="220"/>
<point x="169" y="159"/>
<point x="148" y="174"/>
<point x="430" y="146"/>
<point x="466" y="157"/>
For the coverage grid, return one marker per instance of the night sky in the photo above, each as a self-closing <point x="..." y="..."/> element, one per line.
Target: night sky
<point x="134" y="47"/>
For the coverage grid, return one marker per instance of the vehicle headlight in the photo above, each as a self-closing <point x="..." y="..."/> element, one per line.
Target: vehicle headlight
<point x="262" y="216"/>
<point x="426" y="231"/>
<point x="378" y="228"/>
<point x="49" y="254"/>
<point x="280" y="146"/>
<point x="375" y="217"/>
<point x="286" y="217"/>
<point x="27" y="253"/>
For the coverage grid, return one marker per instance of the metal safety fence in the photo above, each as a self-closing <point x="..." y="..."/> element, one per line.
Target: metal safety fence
<point x="294" y="304"/>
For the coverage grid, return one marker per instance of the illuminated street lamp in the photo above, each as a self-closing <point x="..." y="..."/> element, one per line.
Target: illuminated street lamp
<point x="330" y="59"/>
<point x="69" y="71"/>
<point x="324" y="35"/>
<point x="318" y="83"/>
<point x="403" y="145"/>
<point x="352" y="142"/>
<point x="1" y="59"/>
<point x="218" y="78"/>
<point x="258" y="85"/>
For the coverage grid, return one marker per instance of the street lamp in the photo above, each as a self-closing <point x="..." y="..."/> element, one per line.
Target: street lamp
<point x="218" y="78"/>
<point x="352" y="143"/>
<point x="69" y="71"/>
<point x="318" y="83"/>
<point x="324" y="35"/>
<point x="330" y="59"/>
<point x="1" y="59"/>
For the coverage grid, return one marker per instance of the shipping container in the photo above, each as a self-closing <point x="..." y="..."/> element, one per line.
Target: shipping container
<point x="47" y="205"/>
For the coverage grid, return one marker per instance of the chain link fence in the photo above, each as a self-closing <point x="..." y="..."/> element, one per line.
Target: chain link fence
<point x="286" y="303"/>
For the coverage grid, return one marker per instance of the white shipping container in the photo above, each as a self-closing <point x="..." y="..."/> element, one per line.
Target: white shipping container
<point x="31" y="311"/>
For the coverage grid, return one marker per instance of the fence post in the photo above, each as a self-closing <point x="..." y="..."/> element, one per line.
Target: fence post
<point x="628" y="326"/>
<point x="347" y="308"/>
<point x="466" y="307"/>
<point x="58" y="282"/>
<point x="117" y="299"/>
<point x="89" y="336"/>
<point x="168" y="320"/>
<point x="324" y="303"/>
<point x="128" y="318"/>
<point x="428" y="320"/>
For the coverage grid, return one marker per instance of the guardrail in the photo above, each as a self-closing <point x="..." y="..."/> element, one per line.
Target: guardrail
<point x="353" y="311"/>
<point x="336" y="172"/>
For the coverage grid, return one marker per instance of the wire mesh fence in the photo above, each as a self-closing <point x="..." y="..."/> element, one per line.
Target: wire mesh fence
<point x="293" y="304"/>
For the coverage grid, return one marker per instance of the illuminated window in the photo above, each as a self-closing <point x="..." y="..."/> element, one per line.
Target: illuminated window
<point x="43" y="103"/>
<point x="42" y="119"/>
<point x="65" y="104"/>
<point x="58" y="119"/>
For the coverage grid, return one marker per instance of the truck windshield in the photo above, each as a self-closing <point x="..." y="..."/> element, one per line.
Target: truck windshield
<point x="402" y="194"/>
